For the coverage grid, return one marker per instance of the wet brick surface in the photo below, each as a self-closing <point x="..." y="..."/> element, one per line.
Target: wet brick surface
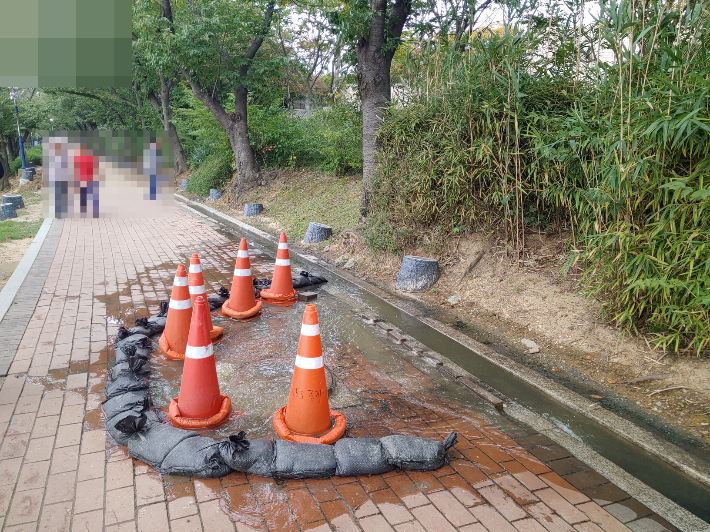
<point x="58" y="472"/>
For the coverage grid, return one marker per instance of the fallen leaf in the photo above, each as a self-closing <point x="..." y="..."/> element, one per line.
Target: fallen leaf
<point x="612" y="381"/>
<point x="555" y="369"/>
<point x="590" y="357"/>
<point x="596" y="397"/>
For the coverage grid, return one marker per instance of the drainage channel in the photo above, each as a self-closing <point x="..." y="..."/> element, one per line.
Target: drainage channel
<point x="677" y="486"/>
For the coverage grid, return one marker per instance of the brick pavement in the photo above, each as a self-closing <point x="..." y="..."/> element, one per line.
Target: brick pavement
<point x="58" y="472"/>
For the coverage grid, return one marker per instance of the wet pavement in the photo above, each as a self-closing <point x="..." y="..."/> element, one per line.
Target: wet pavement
<point x="59" y="470"/>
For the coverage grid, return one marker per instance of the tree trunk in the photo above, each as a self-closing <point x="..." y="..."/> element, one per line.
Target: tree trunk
<point x="163" y="109"/>
<point x="5" y="163"/>
<point x="238" y="133"/>
<point x="373" y="80"/>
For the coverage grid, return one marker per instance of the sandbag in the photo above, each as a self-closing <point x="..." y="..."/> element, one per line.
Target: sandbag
<point x="156" y="324"/>
<point x="164" y="306"/>
<point x="129" y="352"/>
<point x="140" y="327"/>
<point x="195" y="457"/>
<point x="418" y="454"/>
<point x="253" y="457"/>
<point x="139" y="366"/>
<point x="125" y="339"/>
<point x="360" y="456"/>
<point x="155" y="441"/>
<point x="306" y="279"/>
<point x="122" y="427"/>
<point x="125" y="382"/>
<point x="303" y="460"/>
<point x="215" y="301"/>
<point x="138" y="401"/>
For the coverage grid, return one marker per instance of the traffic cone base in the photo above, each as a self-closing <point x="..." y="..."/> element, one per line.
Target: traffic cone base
<point x="241" y="315"/>
<point x="165" y="348"/>
<point x="190" y="423"/>
<point x="268" y="294"/>
<point x="216" y="332"/>
<point x="330" y="437"/>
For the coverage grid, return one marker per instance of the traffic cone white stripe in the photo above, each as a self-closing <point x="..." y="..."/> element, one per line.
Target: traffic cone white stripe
<point x="306" y="362"/>
<point x="242" y="273"/>
<point x="199" y="352"/>
<point x="310" y="330"/>
<point x="180" y="305"/>
<point x="197" y="289"/>
<point x="283" y="245"/>
<point x="180" y="281"/>
<point x="283" y="262"/>
<point x="242" y="254"/>
<point x="195" y="268"/>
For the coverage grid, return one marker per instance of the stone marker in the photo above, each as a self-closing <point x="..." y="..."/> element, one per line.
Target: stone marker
<point x="7" y="210"/>
<point x="317" y="233"/>
<point x="417" y="274"/>
<point x="307" y="296"/>
<point x="252" y="209"/>
<point x="183" y="184"/>
<point x="15" y="199"/>
<point x="28" y="174"/>
<point x="215" y="194"/>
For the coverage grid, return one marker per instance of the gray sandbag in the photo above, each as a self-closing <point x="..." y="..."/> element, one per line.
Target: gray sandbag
<point x="138" y="401"/>
<point x="128" y="352"/>
<point x="140" y="327"/>
<point x="253" y="457"/>
<point x="303" y="460"/>
<point x="155" y="441"/>
<point x="122" y="427"/>
<point x="139" y="366"/>
<point x="156" y="324"/>
<point x="125" y="382"/>
<point x="125" y="339"/>
<point x="360" y="456"/>
<point x="195" y="457"/>
<point x="215" y="301"/>
<point x="418" y="454"/>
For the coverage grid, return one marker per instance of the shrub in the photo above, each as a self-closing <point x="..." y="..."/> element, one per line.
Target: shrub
<point x="214" y="172"/>
<point x="32" y="155"/>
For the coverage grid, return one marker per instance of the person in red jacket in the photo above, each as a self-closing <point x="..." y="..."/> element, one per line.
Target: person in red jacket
<point x="86" y="169"/>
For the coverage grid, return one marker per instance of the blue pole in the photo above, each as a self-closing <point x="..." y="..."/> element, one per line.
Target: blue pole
<point x="19" y="137"/>
<point x="33" y="141"/>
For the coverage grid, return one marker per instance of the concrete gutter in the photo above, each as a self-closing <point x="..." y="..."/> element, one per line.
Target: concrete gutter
<point x="669" y="510"/>
<point x="9" y="291"/>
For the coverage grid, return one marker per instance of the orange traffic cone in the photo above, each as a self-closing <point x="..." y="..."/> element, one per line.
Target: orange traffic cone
<point x="281" y="284"/>
<point x="241" y="303"/>
<point x="197" y="288"/>
<point x="306" y="417"/>
<point x="177" y="325"/>
<point x="200" y="403"/>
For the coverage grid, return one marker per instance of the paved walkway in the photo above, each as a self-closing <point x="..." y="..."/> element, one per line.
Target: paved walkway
<point x="58" y="471"/>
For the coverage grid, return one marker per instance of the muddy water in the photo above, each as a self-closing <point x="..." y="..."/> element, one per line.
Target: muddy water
<point x="255" y="360"/>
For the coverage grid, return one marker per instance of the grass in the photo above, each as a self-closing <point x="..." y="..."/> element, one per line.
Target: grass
<point x="309" y="197"/>
<point x="11" y="230"/>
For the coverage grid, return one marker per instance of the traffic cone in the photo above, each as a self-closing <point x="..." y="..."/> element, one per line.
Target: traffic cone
<point x="281" y="283"/>
<point x="200" y="403"/>
<point x="241" y="303"/>
<point x="177" y="325"/>
<point x="306" y="417"/>
<point x="197" y="288"/>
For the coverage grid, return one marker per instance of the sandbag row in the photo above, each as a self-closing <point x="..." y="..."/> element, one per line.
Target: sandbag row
<point x="302" y="280"/>
<point x="131" y="420"/>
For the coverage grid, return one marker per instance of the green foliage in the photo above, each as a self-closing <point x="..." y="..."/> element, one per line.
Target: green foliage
<point x="617" y="153"/>
<point x="330" y="139"/>
<point x="214" y="172"/>
<point x="32" y="155"/>
<point x="200" y="133"/>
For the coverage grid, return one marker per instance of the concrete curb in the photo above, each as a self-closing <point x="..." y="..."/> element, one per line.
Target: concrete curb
<point x="668" y="452"/>
<point x="9" y="291"/>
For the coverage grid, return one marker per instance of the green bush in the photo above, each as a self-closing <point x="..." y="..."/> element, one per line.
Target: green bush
<point x="32" y="155"/>
<point x="330" y="139"/>
<point x="214" y="172"/>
